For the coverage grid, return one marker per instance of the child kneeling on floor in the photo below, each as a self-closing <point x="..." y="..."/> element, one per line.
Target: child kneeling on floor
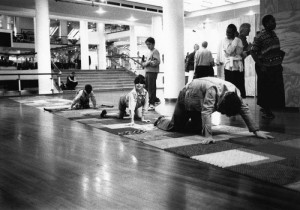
<point x="82" y="99"/>
<point x="136" y="101"/>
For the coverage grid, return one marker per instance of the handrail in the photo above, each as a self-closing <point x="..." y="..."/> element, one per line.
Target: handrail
<point x="55" y="67"/>
<point x="132" y="58"/>
<point x="57" y="74"/>
<point x="57" y="85"/>
<point x="124" y="56"/>
<point x="37" y="74"/>
<point x="127" y="59"/>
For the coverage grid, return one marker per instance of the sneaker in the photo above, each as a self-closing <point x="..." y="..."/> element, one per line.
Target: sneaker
<point x="103" y="114"/>
<point x="158" y="119"/>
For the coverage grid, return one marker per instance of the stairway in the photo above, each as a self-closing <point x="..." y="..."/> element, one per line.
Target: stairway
<point x="102" y="80"/>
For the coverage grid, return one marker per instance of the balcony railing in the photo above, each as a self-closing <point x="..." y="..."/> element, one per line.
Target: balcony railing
<point x="56" y="40"/>
<point x="115" y="61"/>
<point x="20" y="76"/>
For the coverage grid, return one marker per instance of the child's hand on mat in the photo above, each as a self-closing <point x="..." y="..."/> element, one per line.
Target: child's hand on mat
<point x="147" y="121"/>
<point x="131" y="124"/>
<point x="207" y="140"/>
<point x="262" y="135"/>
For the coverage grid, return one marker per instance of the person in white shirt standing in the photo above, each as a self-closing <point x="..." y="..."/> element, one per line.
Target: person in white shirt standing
<point x="233" y="60"/>
<point x="204" y="62"/>
<point x="151" y="65"/>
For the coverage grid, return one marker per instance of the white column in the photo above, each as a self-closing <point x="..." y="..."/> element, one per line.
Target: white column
<point x="101" y="47"/>
<point x="42" y="45"/>
<point x="84" y="45"/>
<point x="17" y="25"/>
<point x="173" y="30"/>
<point x="133" y="46"/>
<point x="157" y="32"/>
<point x="63" y="31"/>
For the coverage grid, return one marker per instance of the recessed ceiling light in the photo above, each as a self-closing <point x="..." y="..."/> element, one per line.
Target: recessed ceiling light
<point x="132" y="19"/>
<point x="250" y="13"/>
<point x="100" y="11"/>
<point x="208" y="20"/>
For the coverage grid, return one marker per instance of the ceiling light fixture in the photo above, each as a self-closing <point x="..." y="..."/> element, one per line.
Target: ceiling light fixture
<point x="132" y="19"/>
<point x="100" y="11"/>
<point x="250" y="13"/>
<point x="208" y="20"/>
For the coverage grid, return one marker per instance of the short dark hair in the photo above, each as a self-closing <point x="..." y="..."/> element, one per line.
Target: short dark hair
<point x="73" y="72"/>
<point x="230" y="105"/>
<point x="244" y="26"/>
<point x="139" y="79"/>
<point x="88" y="88"/>
<point x="151" y="40"/>
<point x="204" y="44"/>
<point x="266" y="19"/>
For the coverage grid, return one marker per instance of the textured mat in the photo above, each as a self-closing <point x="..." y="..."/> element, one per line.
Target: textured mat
<point x="236" y="149"/>
<point x="199" y="149"/>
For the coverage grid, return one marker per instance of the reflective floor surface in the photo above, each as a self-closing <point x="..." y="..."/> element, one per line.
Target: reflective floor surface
<point x="49" y="162"/>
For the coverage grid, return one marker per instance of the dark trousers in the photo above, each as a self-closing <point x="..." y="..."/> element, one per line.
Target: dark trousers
<point x="71" y="85"/>
<point x="182" y="120"/>
<point x="204" y="71"/>
<point x="83" y="104"/>
<point x="236" y="78"/>
<point x="270" y="87"/>
<point x="151" y="86"/>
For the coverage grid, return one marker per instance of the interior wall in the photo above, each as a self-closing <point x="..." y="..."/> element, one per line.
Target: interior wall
<point x="287" y="15"/>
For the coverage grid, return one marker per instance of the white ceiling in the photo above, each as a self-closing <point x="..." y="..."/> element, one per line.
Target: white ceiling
<point x="192" y="5"/>
<point x="216" y="10"/>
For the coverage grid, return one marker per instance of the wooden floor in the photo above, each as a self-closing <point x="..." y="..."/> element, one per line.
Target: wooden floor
<point x="49" y="162"/>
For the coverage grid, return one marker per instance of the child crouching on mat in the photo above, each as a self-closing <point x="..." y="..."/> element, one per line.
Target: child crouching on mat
<point x="82" y="99"/>
<point x="136" y="101"/>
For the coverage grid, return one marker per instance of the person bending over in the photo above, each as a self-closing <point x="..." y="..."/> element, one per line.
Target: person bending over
<point x="82" y="99"/>
<point x="136" y="101"/>
<point x="198" y="100"/>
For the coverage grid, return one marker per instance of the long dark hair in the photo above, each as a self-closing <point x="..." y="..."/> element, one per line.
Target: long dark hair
<point x="231" y="31"/>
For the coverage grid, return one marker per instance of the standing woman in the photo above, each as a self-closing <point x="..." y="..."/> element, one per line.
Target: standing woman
<point x="233" y="63"/>
<point x="268" y="59"/>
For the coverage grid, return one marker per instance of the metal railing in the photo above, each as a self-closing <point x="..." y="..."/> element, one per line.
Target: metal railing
<point x="34" y="74"/>
<point x="55" y="40"/>
<point x="123" y="60"/>
<point x="57" y="71"/>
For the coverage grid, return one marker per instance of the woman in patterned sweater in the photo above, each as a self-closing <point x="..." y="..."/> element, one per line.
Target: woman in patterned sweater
<point x="268" y="59"/>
